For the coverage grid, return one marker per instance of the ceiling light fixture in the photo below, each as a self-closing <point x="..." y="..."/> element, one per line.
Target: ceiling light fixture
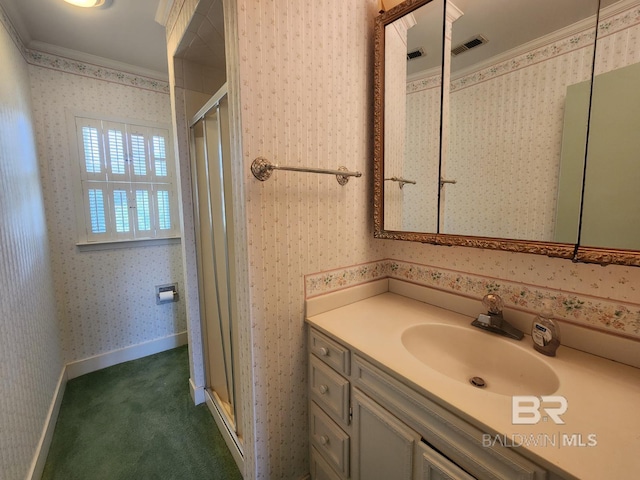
<point x="89" y="3"/>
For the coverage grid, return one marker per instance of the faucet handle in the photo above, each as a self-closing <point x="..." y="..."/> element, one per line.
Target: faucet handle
<point x="494" y="303"/>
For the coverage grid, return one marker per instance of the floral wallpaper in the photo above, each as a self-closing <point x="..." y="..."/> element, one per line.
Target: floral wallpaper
<point x="618" y="37"/>
<point x="486" y="110"/>
<point x="617" y="22"/>
<point x="306" y="85"/>
<point x="305" y="89"/>
<point x="106" y="299"/>
<point x="75" y="67"/>
<point x="395" y="46"/>
<point x="606" y="314"/>
<point x="177" y="23"/>
<point x="30" y="358"/>
<point x="422" y="155"/>
<point x="326" y="282"/>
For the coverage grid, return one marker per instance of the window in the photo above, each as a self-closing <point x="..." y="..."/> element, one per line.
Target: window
<point x="126" y="181"/>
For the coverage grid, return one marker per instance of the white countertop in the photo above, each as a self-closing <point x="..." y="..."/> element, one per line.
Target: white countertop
<point x="603" y="396"/>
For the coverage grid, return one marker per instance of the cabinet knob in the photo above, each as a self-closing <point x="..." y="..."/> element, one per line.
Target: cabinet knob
<point x="323" y="389"/>
<point x="324" y="351"/>
<point x="324" y="440"/>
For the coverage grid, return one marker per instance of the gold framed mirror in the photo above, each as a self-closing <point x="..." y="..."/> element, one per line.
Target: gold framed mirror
<point x="446" y="181"/>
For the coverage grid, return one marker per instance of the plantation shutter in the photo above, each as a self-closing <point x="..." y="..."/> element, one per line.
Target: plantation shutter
<point x="127" y="181"/>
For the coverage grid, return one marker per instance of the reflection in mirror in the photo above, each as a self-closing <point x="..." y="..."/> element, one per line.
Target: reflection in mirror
<point x="413" y="44"/>
<point x="505" y="101"/>
<point x="514" y="125"/>
<point x="611" y="207"/>
<point x="507" y="106"/>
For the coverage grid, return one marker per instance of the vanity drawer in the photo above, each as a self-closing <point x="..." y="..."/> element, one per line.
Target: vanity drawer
<point x="329" y="439"/>
<point x="320" y="469"/>
<point x="329" y="351"/>
<point x="330" y="390"/>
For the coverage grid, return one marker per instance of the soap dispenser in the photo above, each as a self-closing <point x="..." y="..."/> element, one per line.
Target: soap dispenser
<point x="545" y="332"/>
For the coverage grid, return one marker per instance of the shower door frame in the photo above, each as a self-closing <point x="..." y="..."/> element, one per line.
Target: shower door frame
<point x="229" y="427"/>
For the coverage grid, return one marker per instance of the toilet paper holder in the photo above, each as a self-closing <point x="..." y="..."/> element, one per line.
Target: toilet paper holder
<point x="166" y="293"/>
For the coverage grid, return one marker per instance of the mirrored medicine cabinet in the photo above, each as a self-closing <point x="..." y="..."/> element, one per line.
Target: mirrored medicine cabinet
<point x="510" y="126"/>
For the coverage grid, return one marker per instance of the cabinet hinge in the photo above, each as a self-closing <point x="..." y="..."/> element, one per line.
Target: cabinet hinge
<point x="350" y="414"/>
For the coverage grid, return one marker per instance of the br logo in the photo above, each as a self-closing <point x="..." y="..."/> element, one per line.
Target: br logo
<point x="525" y="409"/>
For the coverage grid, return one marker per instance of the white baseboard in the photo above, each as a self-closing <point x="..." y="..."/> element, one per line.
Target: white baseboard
<point x="42" y="450"/>
<point x="229" y="436"/>
<point x="88" y="365"/>
<point x="197" y="393"/>
<point x="108" y="359"/>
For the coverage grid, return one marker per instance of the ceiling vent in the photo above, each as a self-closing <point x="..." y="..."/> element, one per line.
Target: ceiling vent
<point x="416" y="54"/>
<point x="468" y="45"/>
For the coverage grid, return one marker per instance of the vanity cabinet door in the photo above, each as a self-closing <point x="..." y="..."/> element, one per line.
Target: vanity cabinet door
<point x="431" y="465"/>
<point x="383" y="448"/>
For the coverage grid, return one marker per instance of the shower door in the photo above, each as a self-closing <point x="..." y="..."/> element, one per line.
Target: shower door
<point x="211" y="183"/>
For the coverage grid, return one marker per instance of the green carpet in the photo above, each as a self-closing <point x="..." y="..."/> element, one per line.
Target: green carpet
<point x="137" y="421"/>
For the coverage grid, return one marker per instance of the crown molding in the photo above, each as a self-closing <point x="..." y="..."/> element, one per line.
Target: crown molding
<point x="452" y="12"/>
<point x="425" y="74"/>
<point x="8" y="19"/>
<point x="618" y="7"/>
<point x="72" y="61"/>
<point x="575" y="29"/>
<point x="13" y="22"/>
<point x="573" y="36"/>
<point x="95" y="60"/>
<point x="96" y="72"/>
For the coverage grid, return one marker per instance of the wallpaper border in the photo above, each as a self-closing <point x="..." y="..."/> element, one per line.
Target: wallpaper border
<point x="57" y="62"/>
<point x="614" y="317"/>
<point x="606" y="26"/>
<point x="76" y="67"/>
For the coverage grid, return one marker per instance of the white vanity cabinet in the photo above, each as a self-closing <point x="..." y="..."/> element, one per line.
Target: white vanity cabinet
<point x="329" y="407"/>
<point x="384" y="447"/>
<point x="366" y="424"/>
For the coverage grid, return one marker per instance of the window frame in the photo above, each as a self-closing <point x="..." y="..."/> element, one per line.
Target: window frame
<point x="107" y="180"/>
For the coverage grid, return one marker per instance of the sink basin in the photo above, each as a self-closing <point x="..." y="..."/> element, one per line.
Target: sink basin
<point x="462" y="353"/>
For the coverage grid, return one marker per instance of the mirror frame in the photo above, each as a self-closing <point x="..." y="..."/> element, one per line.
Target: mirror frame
<point x="575" y="252"/>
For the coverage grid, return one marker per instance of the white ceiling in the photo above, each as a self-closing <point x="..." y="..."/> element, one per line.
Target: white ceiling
<point x="126" y="32"/>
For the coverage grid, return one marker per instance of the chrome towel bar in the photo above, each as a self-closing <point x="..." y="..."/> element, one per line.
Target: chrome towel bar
<point x="443" y="181"/>
<point x="263" y="168"/>
<point x="401" y="181"/>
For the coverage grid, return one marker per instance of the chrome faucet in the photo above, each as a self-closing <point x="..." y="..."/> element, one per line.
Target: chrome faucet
<point x="493" y="321"/>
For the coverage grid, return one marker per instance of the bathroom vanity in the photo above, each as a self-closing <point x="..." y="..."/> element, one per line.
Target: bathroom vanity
<point x="383" y="405"/>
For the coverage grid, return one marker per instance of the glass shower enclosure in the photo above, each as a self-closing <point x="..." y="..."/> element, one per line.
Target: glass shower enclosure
<point x="212" y="194"/>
